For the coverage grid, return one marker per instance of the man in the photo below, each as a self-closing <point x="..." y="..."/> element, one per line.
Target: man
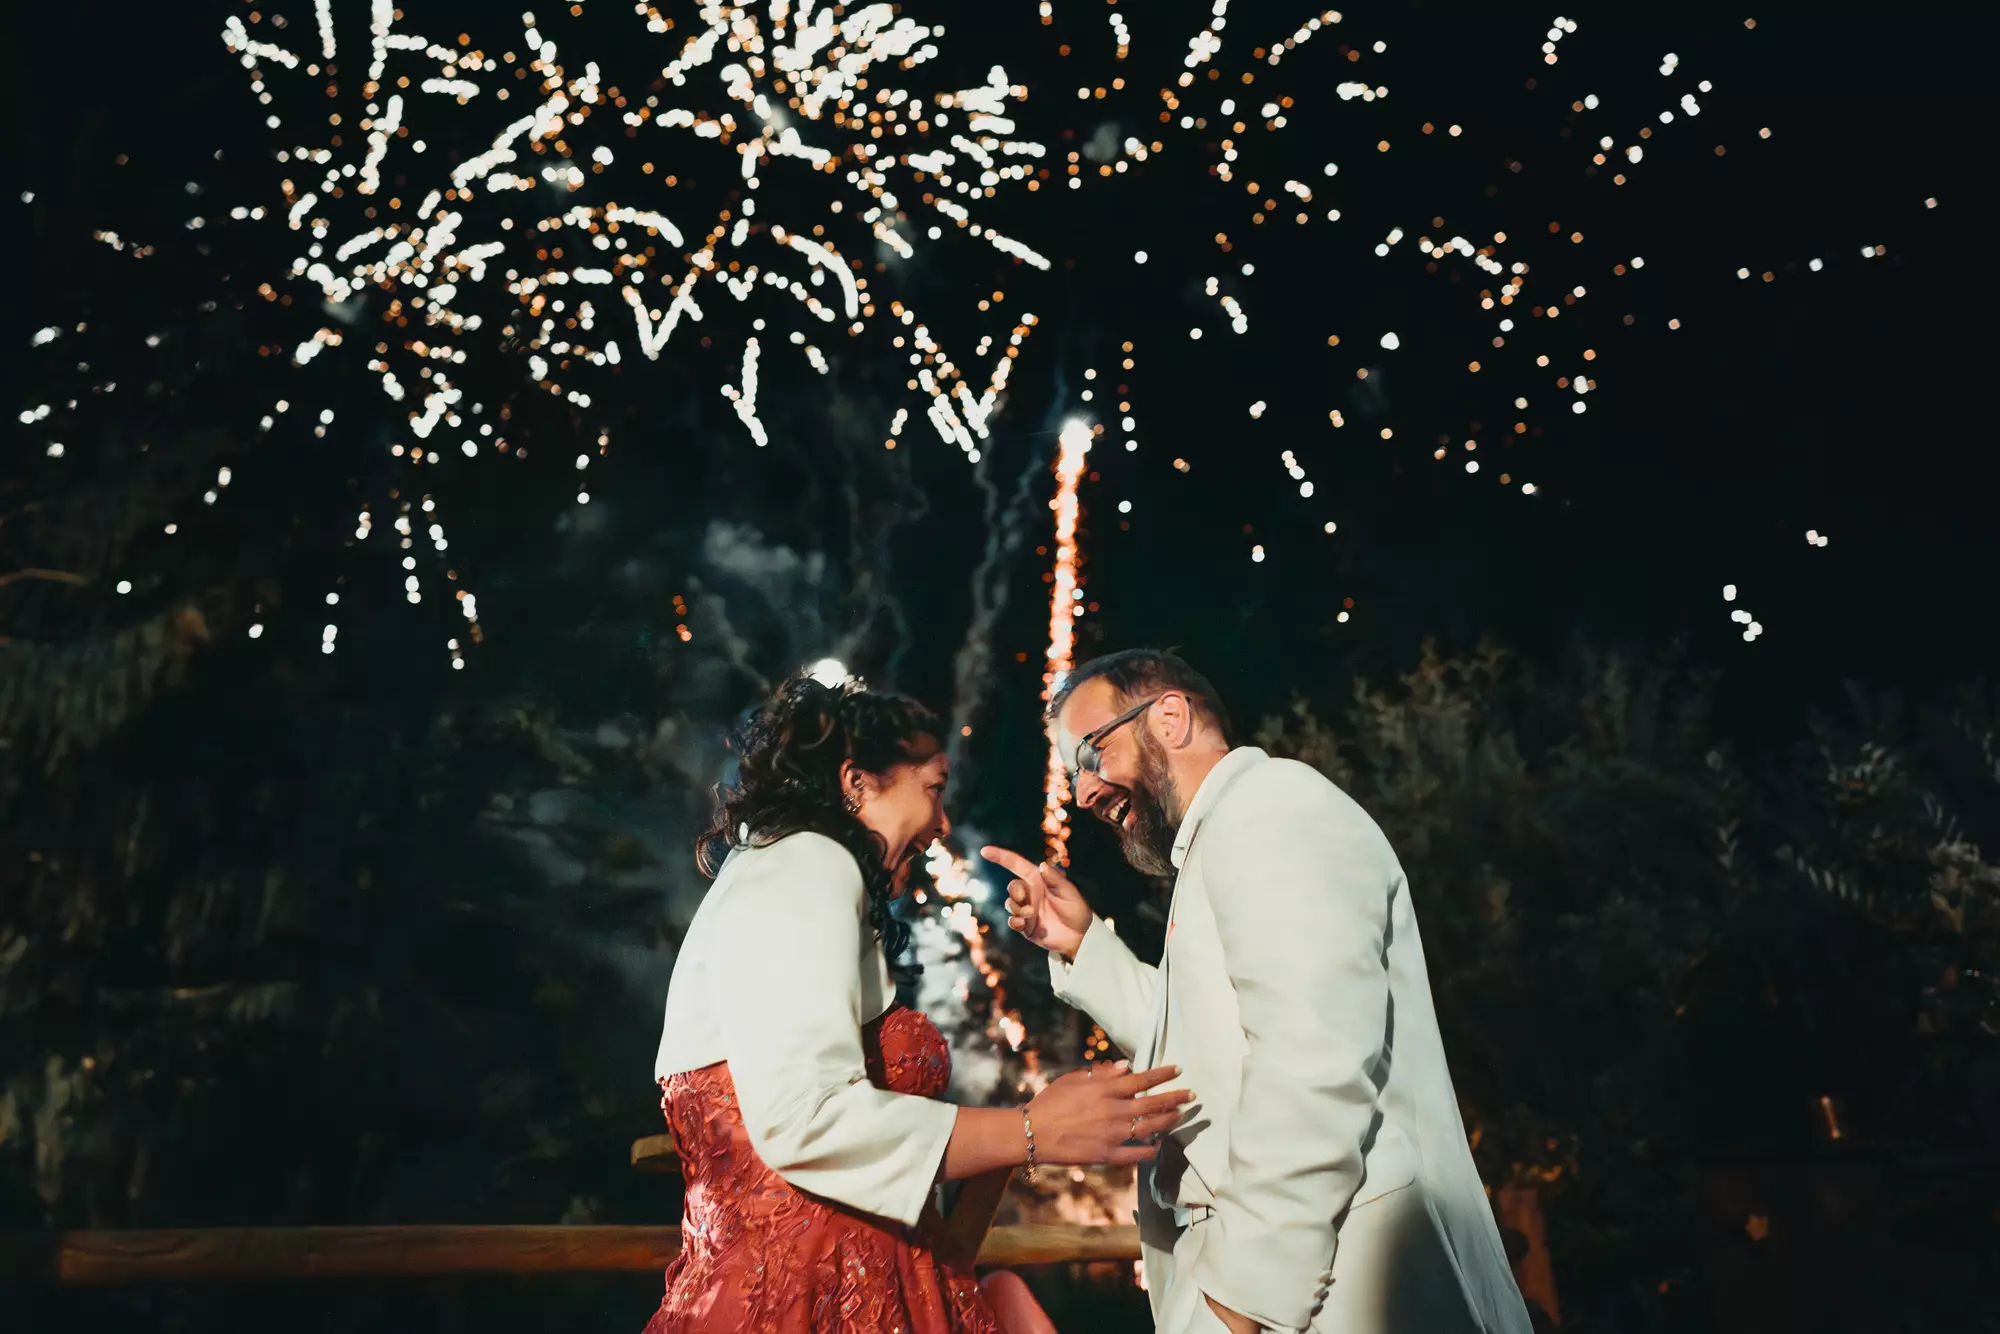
<point x="1321" y="1179"/>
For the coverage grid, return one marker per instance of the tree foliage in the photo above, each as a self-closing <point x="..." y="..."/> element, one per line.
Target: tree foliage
<point x="1660" y="934"/>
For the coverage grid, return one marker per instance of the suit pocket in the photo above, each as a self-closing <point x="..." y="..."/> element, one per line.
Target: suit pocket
<point x="1203" y="1319"/>
<point x="1188" y="1311"/>
<point x="1391" y="1165"/>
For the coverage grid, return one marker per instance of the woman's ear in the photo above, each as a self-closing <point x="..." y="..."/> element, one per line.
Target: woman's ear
<point x="853" y="785"/>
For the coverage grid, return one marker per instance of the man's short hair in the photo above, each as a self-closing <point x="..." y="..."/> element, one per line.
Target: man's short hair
<point x="1135" y="673"/>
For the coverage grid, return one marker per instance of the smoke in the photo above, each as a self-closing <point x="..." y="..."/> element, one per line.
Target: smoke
<point x="348" y="312"/>
<point x="774" y="590"/>
<point x="603" y="840"/>
<point x="772" y="610"/>
<point x="956" y="926"/>
<point x="1103" y="144"/>
<point x="1007" y="519"/>
<point x="778" y="571"/>
<point x="945" y="994"/>
<point x="1009" y="527"/>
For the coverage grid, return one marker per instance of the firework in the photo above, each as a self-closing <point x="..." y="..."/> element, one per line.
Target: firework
<point x="1289" y="132"/>
<point x="959" y="888"/>
<point x="576" y="240"/>
<point x="1065" y="606"/>
<point x="1752" y="627"/>
<point x="820" y="149"/>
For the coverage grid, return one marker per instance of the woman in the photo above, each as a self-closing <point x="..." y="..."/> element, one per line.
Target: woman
<point x="804" y="1102"/>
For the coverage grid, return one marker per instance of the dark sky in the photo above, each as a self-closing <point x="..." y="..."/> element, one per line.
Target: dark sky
<point x="1840" y="401"/>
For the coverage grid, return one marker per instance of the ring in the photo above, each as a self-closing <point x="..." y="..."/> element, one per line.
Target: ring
<point x="1135" y="1129"/>
<point x="1090" y="1070"/>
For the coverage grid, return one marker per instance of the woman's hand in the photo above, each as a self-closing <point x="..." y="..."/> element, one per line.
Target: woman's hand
<point x="1081" y="1119"/>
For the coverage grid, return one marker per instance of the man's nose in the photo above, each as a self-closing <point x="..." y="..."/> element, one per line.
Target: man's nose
<point x="1089" y="787"/>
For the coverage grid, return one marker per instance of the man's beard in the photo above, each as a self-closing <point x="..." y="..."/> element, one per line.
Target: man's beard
<point x="1148" y="840"/>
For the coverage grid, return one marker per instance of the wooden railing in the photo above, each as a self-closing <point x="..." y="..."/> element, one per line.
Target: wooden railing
<point x="187" y="1255"/>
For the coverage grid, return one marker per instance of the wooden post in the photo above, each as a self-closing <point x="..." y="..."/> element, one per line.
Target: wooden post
<point x="656" y="1153"/>
<point x="959" y="1238"/>
<point x="1520" y="1210"/>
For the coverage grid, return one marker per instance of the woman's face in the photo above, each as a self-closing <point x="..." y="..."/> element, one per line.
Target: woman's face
<point x="905" y="807"/>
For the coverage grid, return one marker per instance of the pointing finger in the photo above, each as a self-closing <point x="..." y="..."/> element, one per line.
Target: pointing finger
<point x="1011" y="861"/>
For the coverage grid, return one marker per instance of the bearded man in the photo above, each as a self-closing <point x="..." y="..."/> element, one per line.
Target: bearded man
<point x="1321" y="1178"/>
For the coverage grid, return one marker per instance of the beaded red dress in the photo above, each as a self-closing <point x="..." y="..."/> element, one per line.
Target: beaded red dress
<point x="759" y="1254"/>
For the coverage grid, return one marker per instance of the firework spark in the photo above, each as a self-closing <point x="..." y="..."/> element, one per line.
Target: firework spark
<point x="959" y="889"/>
<point x="1258" y="124"/>
<point x="819" y="96"/>
<point x="1065" y="606"/>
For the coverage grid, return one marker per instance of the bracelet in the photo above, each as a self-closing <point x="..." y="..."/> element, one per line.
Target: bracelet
<point x="1029" y="1126"/>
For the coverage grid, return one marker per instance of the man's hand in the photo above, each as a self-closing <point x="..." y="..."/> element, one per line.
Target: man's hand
<point x="1238" y="1324"/>
<point x="1042" y="904"/>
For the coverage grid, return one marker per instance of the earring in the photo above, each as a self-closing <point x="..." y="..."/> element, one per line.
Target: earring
<point x="852" y="802"/>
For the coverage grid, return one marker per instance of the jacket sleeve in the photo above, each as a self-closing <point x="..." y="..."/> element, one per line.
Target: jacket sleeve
<point x="1109" y="983"/>
<point x="1300" y="882"/>
<point x="787" y="989"/>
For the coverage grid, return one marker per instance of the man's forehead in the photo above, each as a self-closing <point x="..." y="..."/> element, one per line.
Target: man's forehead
<point x="1089" y="707"/>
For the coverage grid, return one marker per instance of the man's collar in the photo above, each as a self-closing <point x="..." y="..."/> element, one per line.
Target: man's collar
<point x="1210" y="791"/>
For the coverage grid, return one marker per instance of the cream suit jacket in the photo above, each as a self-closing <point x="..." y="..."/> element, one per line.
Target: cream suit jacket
<point x="1321" y="1180"/>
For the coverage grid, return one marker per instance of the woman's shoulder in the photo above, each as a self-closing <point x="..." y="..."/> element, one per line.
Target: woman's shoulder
<point x="798" y="864"/>
<point x="802" y="849"/>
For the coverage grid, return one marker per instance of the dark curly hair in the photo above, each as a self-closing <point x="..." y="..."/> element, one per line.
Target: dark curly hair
<point x="787" y="781"/>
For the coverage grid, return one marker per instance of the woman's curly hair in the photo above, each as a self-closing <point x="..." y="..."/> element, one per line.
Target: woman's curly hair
<point x="788" y="758"/>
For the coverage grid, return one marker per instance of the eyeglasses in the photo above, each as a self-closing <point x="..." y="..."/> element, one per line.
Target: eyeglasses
<point x="1090" y="750"/>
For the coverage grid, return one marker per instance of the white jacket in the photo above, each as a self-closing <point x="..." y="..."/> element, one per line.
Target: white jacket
<point x="1322" y="1178"/>
<point x="777" y="974"/>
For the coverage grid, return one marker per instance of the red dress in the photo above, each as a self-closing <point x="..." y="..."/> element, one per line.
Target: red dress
<point x="759" y="1254"/>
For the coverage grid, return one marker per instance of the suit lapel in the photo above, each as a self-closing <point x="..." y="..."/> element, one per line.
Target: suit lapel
<point x="1160" y="1004"/>
<point x="1238" y="762"/>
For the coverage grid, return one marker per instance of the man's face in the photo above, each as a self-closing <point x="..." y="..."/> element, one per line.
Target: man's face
<point x="1133" y="790"/>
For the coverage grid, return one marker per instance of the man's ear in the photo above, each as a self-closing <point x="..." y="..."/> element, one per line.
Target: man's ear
<point x="1177" y="720"/>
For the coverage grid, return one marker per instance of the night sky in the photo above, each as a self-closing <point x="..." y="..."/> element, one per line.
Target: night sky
<point x="1839" y="401"/>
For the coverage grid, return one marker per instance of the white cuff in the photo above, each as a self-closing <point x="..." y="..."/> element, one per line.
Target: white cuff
<point x="1061" y="970"/>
